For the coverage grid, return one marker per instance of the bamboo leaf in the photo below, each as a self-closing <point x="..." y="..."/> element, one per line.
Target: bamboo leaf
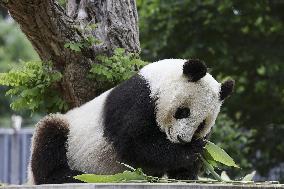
<point x="218" y="154"/>
<point x="249" y="177"/>
<point x="225" y="177"/>
<point x="210" y="169"/>
<point x="126" y="176"/>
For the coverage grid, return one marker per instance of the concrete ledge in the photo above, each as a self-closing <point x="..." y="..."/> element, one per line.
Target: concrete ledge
<point x="147" y="186"/>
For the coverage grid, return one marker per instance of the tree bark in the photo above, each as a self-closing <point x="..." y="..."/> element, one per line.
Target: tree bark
<point x="49" y="27"/>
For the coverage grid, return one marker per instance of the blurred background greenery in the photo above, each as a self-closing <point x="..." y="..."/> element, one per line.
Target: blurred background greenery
<point x="14" y="49"/>
<point x="240" y="39"/>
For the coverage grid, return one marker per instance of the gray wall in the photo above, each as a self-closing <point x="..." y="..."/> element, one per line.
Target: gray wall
<point x="14" y="155"/>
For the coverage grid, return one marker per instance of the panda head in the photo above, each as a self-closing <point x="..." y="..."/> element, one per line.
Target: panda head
<point x="187" y="98"/>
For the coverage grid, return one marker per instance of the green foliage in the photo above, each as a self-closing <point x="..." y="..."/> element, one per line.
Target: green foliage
<point x="219" y="155"/>
<point x="115" y="69"/>
<point x="225" y="177"/>
<point x="31" y="86"/>
<point x="126" y="176"/>
<point x="213" y="154"/>
<point x="86" y="43"/>
<point x="13" y="47"/>
<point x="249" y="177"/>
<point x="62" y="3"/>
<point x="138" y="176"/>
<point x="241" y="39"/>
<point x="74" y="46"/>
<point x="210" y="169"/>
<point x="228" y="135"/>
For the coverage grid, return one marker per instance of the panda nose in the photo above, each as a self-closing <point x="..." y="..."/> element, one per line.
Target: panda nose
<point x="181" y="140"/>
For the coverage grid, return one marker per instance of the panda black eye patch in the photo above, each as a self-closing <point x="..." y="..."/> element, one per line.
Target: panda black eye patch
<point x="182" y="112"/>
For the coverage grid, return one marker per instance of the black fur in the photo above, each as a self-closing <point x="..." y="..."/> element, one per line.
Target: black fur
<point x="182" y="112"/>
<point x="194" y="70"/>
<point x="131" y="126"/>
<point x="49" y="162"/>
<point x="226" y="89"/>
<point x="185" y="173"/>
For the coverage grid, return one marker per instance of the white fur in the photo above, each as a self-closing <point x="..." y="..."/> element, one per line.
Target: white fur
<point x="30" y="176"/>
<point x="88" y="150"/>
<point x="172" y="90"/>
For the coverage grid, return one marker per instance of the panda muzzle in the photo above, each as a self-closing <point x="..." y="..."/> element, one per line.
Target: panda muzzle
<point x="196" y="135"/>
<point x="181" y="140"/>
<point x="199" y="130"/>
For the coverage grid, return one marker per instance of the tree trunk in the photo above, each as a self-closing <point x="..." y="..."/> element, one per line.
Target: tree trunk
<point x="49" y="27"/>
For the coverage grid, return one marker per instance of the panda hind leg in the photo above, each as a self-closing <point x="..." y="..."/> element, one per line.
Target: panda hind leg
<point x="49" y="161"/>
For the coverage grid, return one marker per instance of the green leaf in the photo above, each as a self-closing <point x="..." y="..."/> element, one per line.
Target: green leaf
<point x="209" y="159"/>
<point x="258" y="21"/>
<point x="114" y="69"/>
<point x="119" y="51"/>
<point x="67" y="45"/>
<point x="210" y="169"/>
<point x="73" y="46"/>
<point x="30" y="85"/>
<point x="212" y="162"/>
<point x="126" y="176"/>
<point x="128" y="166"/>
<point x="225" y="177"/>
<point x="218" y="154"/>
<point x="93" y="26"/>
<point x="261" y="70"/>
<point x="249" y="177"/>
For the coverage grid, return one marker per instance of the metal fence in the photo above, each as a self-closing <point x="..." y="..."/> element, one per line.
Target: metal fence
<point x="14" y="155"/>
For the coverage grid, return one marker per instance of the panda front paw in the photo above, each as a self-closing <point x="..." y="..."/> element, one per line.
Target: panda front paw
<point x="198" y="145"/>
<point x="190" y="159"/>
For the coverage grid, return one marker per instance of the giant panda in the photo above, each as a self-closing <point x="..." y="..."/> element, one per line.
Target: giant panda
<point x="156" y="121"/>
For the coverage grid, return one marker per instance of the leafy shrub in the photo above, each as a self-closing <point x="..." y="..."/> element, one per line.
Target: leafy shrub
<point x="32" y="87"/>
<point x="78" y="46"/>
<point x="115" y="69"/>
<point x="14" y="46"/>
<point x="230" y="136"/>
<point x="88" y="40"/>
<point x="242" y="39"/>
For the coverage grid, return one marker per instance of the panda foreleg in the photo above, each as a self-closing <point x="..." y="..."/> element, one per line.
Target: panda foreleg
<point x="48" y="161"/>
<point x="155" y="155"/>
<point x="189" y="172"/>
<point x="185" y="173"/>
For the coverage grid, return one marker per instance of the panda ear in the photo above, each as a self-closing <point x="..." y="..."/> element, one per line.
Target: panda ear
<point x="226" y="89"/>
<point x="194" y="70"/>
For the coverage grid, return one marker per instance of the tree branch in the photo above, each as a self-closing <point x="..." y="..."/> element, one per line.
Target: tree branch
<point x="45" y="24"/>
<point x="117" y="21"/>
<point x="49" y="28"/>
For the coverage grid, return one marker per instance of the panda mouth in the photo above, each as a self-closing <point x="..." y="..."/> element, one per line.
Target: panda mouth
<point x="195" y="135"/>
<point x="181" y="140"/>
<point x="199" y="130"/>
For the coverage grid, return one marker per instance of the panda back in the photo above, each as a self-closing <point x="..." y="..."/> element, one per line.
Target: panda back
<point x="88" y="150"/>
